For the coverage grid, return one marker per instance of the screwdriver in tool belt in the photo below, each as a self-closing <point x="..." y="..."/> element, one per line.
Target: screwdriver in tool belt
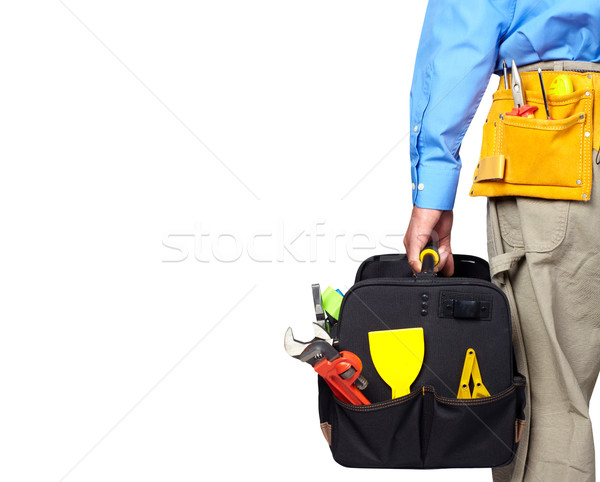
<point x="544" y="95"/>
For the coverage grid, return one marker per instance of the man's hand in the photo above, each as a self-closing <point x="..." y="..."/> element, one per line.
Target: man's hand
<point x="424" y="222"/>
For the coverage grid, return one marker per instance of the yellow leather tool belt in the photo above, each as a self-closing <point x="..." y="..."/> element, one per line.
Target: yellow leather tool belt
<point x="538" y="157"/>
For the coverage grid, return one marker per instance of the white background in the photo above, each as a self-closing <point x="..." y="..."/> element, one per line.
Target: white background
<point x="158" y="160"/>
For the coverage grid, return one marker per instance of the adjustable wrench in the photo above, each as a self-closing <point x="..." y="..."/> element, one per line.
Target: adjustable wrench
<point x="341" y="370"/>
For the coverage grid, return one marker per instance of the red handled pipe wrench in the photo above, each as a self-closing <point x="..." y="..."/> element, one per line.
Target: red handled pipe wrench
<point x="341" y="370"/>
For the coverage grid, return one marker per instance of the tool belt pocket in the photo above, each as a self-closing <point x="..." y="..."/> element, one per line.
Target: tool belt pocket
<point x="537" y="157"/>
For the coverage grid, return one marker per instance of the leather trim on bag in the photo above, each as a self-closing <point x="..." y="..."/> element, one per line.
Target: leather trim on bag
<point x="519" y="427"/>
<point x="326" y="429"/>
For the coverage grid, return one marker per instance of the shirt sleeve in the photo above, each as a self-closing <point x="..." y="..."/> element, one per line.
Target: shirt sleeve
<point x="455" y="59"/>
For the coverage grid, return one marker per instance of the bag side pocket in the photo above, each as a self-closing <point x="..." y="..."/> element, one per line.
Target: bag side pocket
<point x="473" y="432"/>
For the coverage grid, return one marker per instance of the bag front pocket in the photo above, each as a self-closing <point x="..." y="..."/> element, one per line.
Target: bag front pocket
<point x="424" y="430"/>
<point x="473" y="432"/>
<point x="384" y="434"/>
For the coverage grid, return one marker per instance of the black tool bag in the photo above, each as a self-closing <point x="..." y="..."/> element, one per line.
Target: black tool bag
<point x="430" y="427"/>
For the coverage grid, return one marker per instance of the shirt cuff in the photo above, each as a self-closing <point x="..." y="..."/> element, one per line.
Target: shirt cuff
<point x="434" y="188"/>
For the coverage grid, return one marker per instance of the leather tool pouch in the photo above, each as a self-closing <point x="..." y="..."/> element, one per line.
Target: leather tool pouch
<point x="429" y="427"/>
<point x="537" y="157"/>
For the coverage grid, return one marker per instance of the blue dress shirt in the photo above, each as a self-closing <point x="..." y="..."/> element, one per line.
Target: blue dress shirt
<point x="462" y="43"/>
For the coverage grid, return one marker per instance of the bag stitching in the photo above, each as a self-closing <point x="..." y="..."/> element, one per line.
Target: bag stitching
<point x="443" y="400"/>
<point x="379" y="405"/>
<point x="484" y="401"/>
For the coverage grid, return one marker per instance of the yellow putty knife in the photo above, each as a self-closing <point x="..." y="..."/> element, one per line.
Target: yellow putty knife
<point x="398" y="357"/>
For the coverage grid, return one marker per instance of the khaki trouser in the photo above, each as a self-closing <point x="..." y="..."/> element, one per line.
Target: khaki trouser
<point x="545" y="255"/>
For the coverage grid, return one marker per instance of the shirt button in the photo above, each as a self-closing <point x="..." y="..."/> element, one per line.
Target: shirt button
<point x="421" y="187"/>
<point x="413" y="186"/>
<point x="416" y="128"/>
